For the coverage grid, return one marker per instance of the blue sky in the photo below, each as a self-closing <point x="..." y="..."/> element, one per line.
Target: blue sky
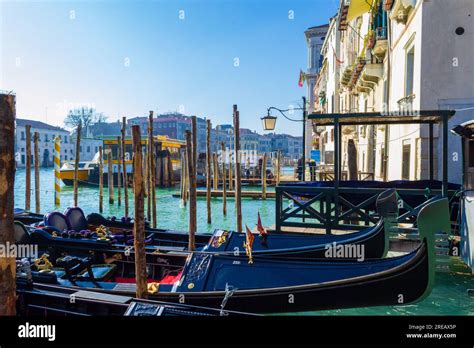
<point x="128" y="57"/>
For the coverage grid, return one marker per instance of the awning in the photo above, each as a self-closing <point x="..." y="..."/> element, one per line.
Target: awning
<point x="358" y="8"/>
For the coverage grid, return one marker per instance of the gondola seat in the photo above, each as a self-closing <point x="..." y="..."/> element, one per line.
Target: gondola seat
<point x="20" y="233"/>
<point x="56" y="221"/>
<point x="76" y="218"/>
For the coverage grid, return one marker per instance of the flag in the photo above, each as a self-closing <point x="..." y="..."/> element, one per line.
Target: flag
<point x="302" y="78"/>
<point x="263" y="233"/>
<point x="248" y="243"/>
<point x="260" y="228"/>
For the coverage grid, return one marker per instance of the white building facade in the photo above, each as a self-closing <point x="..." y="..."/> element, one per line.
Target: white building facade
<point x="47" y="133"/>
<point x="398" y="56"/>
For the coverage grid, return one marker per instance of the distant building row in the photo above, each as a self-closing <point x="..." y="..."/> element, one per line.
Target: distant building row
<point x="172" y="125"/>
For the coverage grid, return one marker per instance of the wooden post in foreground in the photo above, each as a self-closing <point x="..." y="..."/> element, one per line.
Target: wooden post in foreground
<point x="151" y="169"/>
<point x="37" y="174"/>
<point x="208" y="171"/>
<point x="119" y="172"/>
<point x="7" y="181"/>
<point x="124" y="167"/>
<point x="76" y="162"/>
<point x="139" y="216"/>
<point x="224" y="187"/>
<point x="238" y="202"/>
<point x="28" y="168"/>
<point x="147" y="191"/>
<point x="264" y="176"/>
<point x="192" y="192"/>
<point x="101" y="180"/>
<point x="110" y="175"/>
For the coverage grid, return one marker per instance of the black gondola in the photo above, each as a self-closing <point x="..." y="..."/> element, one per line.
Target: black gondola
<point x="288" y="245"/>
<point x="269" y="284"/>
<point x="54" y="300"/>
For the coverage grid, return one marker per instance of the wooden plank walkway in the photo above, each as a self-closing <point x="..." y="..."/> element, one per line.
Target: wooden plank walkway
<point x="231" y="194"/>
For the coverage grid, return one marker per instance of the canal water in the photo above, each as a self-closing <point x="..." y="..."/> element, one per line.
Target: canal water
<point x="449" y="296"/>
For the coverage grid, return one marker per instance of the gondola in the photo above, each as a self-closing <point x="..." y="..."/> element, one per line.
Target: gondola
<point x="27" y="217"/>
<point x="268" y="285"/>
<point x="80" y="233"/>
<point x="34" y="299"/>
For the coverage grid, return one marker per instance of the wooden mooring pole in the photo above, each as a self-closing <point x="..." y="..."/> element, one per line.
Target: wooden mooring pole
<point x="76" y="163"/>
<point x="147" y="191"/>
<point x="110" y="174"/>
<point x="28" y="168"/>
<point x="139" y="216"/>
<point x="278" y="167"/>
<point x="238" y="202"/>
<point x="101" y="180"/>
<point x="215" y="170"/>
<point x="119" y="173"/>
<point x="224" y="184"/>
<point x="264" y="176"/>
<point x="37" y="173"/>
<point x="192" y="191"/>
<point x="208" y="171"/>
<point x="7" y="183"/>
<point x="231" y="178"/>
<point x="124" y="166"/>
<point x="151" y="168"/>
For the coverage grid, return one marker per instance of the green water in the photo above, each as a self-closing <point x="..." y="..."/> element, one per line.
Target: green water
<point x="449" y="296"/>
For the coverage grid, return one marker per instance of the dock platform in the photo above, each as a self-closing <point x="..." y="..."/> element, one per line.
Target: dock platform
<point x="231" y="194"/>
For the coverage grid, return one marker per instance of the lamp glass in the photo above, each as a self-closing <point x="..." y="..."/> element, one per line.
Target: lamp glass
<point x="269" y="122"/>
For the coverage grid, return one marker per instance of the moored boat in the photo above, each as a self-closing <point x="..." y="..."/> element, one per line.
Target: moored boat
<point x="73" y="229"/>
<point x="268" y="284"/>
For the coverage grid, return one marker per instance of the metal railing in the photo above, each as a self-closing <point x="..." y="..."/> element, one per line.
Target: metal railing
<point x="342" y="208"/>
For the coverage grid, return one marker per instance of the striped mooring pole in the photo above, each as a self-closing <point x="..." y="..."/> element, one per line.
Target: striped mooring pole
<point x="57" y="165"/>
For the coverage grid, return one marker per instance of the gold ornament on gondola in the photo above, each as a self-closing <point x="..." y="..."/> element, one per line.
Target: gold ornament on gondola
<point x="102" y="233"/>
<point x="43" y="264"/>
<point x="248" y="243"/>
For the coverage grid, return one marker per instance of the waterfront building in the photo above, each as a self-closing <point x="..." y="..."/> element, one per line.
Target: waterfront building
<point x="315" y="37"/>
<point x="47" y="133"/>
<point x="396" y="56"/>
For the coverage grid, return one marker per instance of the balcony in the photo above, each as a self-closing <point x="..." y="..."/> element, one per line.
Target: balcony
<point x="343" y="15"/>
<point x="406" y="103"/>
<point x="372" y="73"/>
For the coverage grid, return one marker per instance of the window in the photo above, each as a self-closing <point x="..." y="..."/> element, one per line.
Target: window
<point x="46" y="138"/>
<point x="22" y="159"/>
<point x="406" y="161"/>
<point x="22" y="149"/>
<point x="22" y="135"/>
<point x="65" y="139"/>
<point x="88" y="149"/>
<point x="409" y="71"/>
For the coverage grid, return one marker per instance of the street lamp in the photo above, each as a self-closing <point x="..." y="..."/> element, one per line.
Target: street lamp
<point x="269" y="123"/>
